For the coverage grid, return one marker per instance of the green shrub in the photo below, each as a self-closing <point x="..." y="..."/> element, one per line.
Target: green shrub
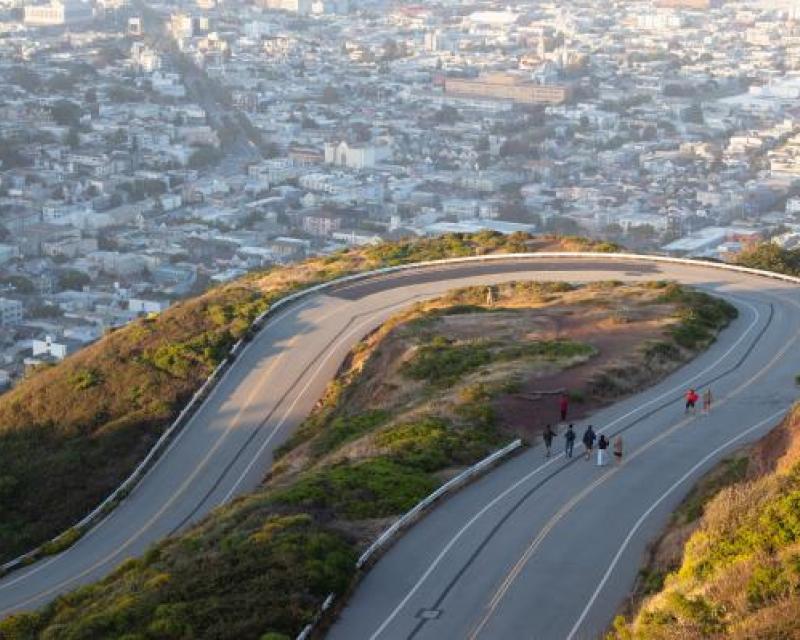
<point x="433" y="443"/>
<point x="62" y="542"/>
<point x="20" y="626"/>
<point x="766" y="584"/>
<point x="442" y="363"/>
<point x="373" y="488"/>
<point x="662" y="351"/>
<point x="696" y="610"/>
<point x="344" y="428"/>
<point x="83" y="379"/>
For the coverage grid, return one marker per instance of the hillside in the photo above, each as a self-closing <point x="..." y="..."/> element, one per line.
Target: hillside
<point x="738" y="574"/>
<point x="72" y="432"/>
<point x="421" y="397"/>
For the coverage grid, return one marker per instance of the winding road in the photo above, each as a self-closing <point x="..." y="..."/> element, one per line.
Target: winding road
<point x="535" y="549"/>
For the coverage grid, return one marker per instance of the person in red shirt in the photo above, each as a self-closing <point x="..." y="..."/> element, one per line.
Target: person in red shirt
<point x="563" y="406"/>
<point x="691" y="401"/>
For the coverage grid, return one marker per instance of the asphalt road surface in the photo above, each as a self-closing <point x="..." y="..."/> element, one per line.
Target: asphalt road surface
<point x="537" y="548"/>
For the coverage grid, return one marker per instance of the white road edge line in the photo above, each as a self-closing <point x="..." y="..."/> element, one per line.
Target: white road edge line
<point x="438" y="559"/>
<point x="653" y="507"/>
<point x="43" y="565"/>
<point x="180" y="490"/>
<point x="286" y="413"/>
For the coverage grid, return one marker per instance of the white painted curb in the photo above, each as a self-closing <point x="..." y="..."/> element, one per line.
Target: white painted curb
<point x="121" y="492"/>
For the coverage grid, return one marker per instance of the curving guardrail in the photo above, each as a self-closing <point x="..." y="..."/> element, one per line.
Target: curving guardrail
<point x="67" y="538"/>
<point x="388" y="536"/>
<point x="408" y="518"/>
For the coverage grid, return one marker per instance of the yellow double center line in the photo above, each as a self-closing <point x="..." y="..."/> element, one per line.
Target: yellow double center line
<point x="512" y="575"/>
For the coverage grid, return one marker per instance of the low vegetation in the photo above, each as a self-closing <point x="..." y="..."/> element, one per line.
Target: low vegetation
<point x="739" y="575"/>
<point x="385" y="435"/>
<point x="71" y="433"/>
<point x="771" y="257"/>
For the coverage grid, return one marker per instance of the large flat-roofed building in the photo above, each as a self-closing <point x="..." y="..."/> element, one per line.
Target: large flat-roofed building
<point x="58" y="12"/>
<point x="302" y="7"/>
<point x="689" y="4"/>
<point x="508" y="87"/>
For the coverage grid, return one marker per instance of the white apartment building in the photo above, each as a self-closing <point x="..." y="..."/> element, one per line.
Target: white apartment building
<point x="138" y="305"/>
<point x="49" y="347"/>
<point x="302" y="7"/>
<point x="355" y="156"/>
<point x="58" y="12"/>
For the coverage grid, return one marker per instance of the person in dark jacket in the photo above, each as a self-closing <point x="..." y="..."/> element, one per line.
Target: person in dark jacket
<point x="569" y="441"/>
<point x="602" y="445"/>
<point x="589" y="436"/>
<point x="547" y="436"/>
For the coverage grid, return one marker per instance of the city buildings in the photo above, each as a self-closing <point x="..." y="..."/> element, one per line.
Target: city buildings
<point x="505" y="86"/>
<point x="58" y="13"/>
<point x="150" y="151"/>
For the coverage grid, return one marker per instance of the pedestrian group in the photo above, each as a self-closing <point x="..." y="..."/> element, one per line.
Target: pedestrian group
<point x="601" y="443"/>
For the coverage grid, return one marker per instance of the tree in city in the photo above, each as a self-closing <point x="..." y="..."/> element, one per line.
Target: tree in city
<point x="562" y="226"/>
<point x="204" y="156"/>
<point x="693" y="114"/>
<point x="72" y="138"/>
<point x="66" y="113"/>
<point x="25" y="78"/>
<point x="11" y="156"/>
<point x="330" y="95"/>
<point x="447" y="115"/>
<point x="20" y="284"/>
<point x="72" y="279"/>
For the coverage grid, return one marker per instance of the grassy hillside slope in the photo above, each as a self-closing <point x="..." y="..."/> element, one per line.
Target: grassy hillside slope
<point x="72" y="432"/>
<point x="739" y="576"/>
<point x="408" y="409"/>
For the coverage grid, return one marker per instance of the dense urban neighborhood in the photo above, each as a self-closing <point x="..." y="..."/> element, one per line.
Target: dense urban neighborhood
<point x="148" y="151"/>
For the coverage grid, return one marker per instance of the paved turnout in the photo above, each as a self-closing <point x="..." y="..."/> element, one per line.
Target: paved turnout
<point x="536" y="549"/>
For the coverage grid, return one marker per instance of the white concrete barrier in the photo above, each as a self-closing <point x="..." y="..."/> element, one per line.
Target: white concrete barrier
<point x="407" y="518"/>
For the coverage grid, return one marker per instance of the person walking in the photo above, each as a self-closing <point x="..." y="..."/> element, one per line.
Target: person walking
<point x="563" y="406"/>
<point x="589" y="436"/>
<point x="618" y="450"/>
<point x="602" y="445"/>
<point x="691" y="401"/>
<point x="707" y="401"/>
<point x="547" y="436"/>
<point x="569" y="441"/>
<point x="490" y="296"/>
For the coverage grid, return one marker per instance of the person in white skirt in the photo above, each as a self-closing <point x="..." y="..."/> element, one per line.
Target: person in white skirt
<point x="602" y="447"/>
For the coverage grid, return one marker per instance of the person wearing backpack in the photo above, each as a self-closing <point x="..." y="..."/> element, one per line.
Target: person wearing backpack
<point x="569" y="441"/>
<point x="547" y="436"/>
<point x="589" y="436"/>
<point x="602" y="445"/>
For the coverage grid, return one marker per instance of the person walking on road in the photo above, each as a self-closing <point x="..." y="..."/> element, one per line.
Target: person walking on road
<point x="618" y="450"/>
<point x="707" y="401"/>
<point x="569" y="441"/>
<point x="602" y="445"/>
<point x="547" y="436"/>
<point x="563" y="405"/>
<point x="691" y="401"/>
<point x="589" y="436"/>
